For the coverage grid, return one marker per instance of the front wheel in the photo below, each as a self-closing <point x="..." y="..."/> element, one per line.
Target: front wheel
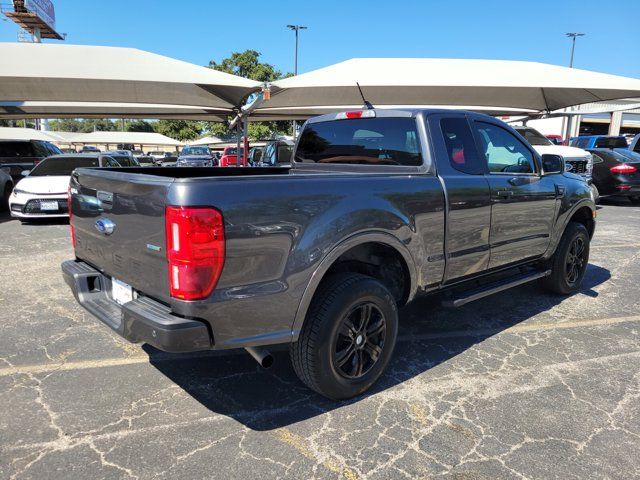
<point x="570" y="261"/>
<point x="348" y="336"/>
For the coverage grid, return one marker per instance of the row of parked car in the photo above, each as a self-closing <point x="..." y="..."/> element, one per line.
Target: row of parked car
<point x="40" y="171"/>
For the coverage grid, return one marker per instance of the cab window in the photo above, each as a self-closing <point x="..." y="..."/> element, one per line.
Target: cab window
<point x="460" y="146"/>
<point x="503" y="151"/>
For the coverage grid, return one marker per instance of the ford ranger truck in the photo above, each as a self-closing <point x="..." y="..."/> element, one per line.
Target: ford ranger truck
<point x="379" y="207"/>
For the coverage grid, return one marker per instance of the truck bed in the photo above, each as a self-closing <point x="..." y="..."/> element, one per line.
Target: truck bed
<point x="201" y="172"/>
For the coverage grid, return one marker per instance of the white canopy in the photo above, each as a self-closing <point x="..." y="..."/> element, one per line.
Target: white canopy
<point x="430" y="81"/>
<point x="15" y="133"/>
<point x="208" y="140"/>
<point x="78" y="73"/>
<point x="41" y="109"/>
<point x="136" y="138"/>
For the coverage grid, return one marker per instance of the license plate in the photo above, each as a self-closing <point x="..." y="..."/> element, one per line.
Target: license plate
<point x="48" y="206"/>
<point x="121" y="292"/>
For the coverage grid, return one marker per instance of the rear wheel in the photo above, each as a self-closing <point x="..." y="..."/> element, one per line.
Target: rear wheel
<point x="570" y="261"/>
<point x="348" y="336"/>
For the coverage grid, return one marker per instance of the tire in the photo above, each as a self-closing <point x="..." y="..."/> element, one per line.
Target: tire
<point x="335" y="360"/>
<point x="567" y="267"/>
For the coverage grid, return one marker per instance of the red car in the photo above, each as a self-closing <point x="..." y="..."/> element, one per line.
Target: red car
<point x="230" y="157"/>
<point x="556" y="139"/>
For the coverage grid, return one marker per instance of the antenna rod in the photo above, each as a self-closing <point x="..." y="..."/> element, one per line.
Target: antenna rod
<point x="366" y="102"/>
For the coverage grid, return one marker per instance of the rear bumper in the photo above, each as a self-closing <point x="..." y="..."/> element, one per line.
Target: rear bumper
<point x="142" y="320"/>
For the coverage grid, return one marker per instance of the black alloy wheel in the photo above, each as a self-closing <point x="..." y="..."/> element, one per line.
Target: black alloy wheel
<point x="575" y="260"/>
<point x="360" y="340"/>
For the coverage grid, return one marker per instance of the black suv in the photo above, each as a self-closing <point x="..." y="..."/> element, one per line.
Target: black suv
<point x="19" y="155"/>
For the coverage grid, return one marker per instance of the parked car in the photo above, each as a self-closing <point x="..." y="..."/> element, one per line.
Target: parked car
<point x="6" y="186"/>
<point x="255" y="155"/>
<point x="577" y="161"/>
<point x="68" y="150"/>
<point x="555" y="139"/>
<point x="89" y="149"/>
<point x="230" y="156"/>
<point x="42" y="193"/>
<point x="124" y="157"/>
<point x="277" y="153"/>
<point x="369" y="217"/>
<point x="616" y="171"/>
<point x="195" y="156"/>
<point x="634" y="145"/>
<point x="19" y="155"/>
<point x="599" y="141"/>
<point x="142" y="158"/>
<point x="159" y="156"/>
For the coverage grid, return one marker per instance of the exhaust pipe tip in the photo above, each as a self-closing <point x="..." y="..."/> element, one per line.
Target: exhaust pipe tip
<point x="261" y="355"/>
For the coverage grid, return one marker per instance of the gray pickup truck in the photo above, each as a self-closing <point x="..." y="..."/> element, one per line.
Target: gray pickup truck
<point x="379" y="207"/>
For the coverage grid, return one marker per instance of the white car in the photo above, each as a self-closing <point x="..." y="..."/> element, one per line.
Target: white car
<point x="43" y="191"/>
<point x="577" y="161"/>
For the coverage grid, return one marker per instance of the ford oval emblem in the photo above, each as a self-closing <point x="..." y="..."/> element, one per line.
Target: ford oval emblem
<point x="568" y="167"/>
<point x="106" y="226"/>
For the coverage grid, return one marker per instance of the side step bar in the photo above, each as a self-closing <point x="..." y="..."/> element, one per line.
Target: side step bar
<point x="495" y="287"/>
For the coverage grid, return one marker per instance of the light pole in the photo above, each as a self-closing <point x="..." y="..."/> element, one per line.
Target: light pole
<point x="296" y="29"/>
<point x="572" y="36"/>
<point x="569" y="120"/>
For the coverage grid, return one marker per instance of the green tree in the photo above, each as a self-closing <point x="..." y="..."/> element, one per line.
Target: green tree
<point x="66" y="125"/>
<point x="247" y="64"/>
<point x="139" y="126"/>
<point x="179" y="129"/>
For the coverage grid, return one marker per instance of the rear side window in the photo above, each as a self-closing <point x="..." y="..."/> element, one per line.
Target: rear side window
<point x="611" y="142"/>
<point x="16" y="149"/>
<point x="362" y="141"/>
<point x="461" y="148"/>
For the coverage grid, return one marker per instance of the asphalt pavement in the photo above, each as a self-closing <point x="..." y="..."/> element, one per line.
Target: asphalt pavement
<point x="518" y="385"/>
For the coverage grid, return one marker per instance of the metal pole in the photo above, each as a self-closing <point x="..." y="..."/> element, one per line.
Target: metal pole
<point x="296" y="29"/>
<point x="573" y="49"/>
<point x="568" y="123"/>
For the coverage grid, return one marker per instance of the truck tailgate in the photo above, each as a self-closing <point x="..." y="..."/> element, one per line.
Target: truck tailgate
<point x="118" y="220"/>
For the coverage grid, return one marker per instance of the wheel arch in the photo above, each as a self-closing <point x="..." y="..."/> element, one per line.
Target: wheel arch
<point x="344" y="248"/>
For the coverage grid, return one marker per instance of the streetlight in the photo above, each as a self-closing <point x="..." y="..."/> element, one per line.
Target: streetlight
<point x="296" y="28"/>
<point x="572" y="36"/>
<point x="569" y="120"/>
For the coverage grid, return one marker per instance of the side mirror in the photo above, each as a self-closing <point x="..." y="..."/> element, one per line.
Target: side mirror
<point x="552" y="164"/>
<point x="25" y="173"/>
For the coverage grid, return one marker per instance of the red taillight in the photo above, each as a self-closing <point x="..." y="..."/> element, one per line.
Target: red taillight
<point x="624" y="168"/>
<point x="71" y="228"/>
<point x="354" y="114"/>
<point x="195" y="250"/>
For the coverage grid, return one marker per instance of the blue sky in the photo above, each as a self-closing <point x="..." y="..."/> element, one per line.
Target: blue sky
<point x="198" y="31"/>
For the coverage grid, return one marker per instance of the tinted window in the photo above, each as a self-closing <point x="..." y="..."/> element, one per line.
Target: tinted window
<point x="533" y="136"/>
<point x="109" y="162"/>
<point x="611" y="142"/>
<point x="41" y="149"/>
<point x="124" y="160"/>
<point x="52" y="148"/>
<point x="504" y="152"/>
<point x="62" y="166"/>
<point x="460" y="145"/>
<point x="580" y="142"/>
<point x="195" y="151"/>
<point x="16" y="149"/>
<point x="363" y="141"/>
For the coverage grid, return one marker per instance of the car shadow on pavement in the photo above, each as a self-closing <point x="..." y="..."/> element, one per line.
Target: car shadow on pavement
<point x="5" y="216"/>
<point x="231" y="383"/>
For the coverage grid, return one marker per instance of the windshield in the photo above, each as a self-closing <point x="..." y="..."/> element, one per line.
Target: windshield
<point x="533" y="136"/>
<point x="370" y="141"/>
<point x="195" y="151"/>
<point x="62" y="166"/>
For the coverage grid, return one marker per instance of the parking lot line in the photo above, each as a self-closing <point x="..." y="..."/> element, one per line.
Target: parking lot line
<point x="116" y="362"/>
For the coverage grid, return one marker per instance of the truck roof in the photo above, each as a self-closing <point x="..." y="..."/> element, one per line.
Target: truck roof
<point x="398" y="112"/>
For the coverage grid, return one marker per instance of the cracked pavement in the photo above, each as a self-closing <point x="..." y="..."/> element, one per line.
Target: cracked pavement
<point x="518" y="385"/>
